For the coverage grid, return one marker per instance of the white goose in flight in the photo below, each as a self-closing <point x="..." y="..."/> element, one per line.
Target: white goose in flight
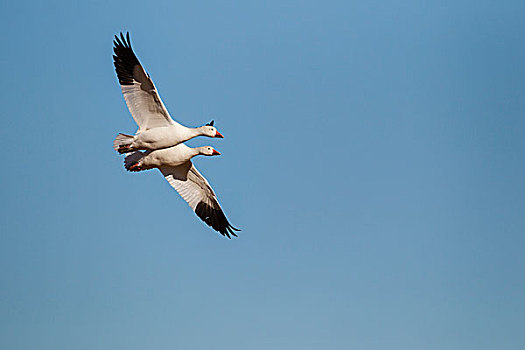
<point x="176" y="166"/>
<point x="156" y="127"/>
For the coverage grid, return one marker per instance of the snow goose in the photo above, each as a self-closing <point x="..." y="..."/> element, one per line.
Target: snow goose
<point x="156" y="127"/>
<point x="176" y="166"/>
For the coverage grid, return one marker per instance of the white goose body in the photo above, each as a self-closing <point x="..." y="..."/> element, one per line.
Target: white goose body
<point x="171" y="156"/>
<point x="156" y="127"/>
<point x="163" y="137"/>
<point x="176" y="166"/>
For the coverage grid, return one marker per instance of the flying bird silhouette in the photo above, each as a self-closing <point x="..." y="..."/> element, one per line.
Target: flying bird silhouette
<point x="162" y="139"/>
<point x="156" y="127"/>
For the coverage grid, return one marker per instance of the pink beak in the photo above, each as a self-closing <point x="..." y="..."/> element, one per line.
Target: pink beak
<point x="218" y="134"/>
<point x="215" y="153"/>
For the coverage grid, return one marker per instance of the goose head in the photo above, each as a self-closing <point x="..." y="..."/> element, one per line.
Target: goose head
<point x="208" y="151"/>
<point x="210" y="131"/>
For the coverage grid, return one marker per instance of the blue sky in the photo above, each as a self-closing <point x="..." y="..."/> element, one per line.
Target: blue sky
<point x="373" y="158"/>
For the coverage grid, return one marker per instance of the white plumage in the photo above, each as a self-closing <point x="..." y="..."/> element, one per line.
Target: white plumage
<point x="156" y="128"/>
<point x="176" y="166"/>
<point x="162" y="139"/>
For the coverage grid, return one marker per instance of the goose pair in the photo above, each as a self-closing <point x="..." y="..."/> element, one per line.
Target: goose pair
<point x="161" y="138"/>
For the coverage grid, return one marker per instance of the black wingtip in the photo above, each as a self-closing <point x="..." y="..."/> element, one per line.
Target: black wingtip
<point x="216" y="219"/>
<point x="124" y="58"/>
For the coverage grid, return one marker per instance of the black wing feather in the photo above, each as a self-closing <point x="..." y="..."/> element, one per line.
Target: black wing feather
<point x="124" y="59"/>
<point x="216" y="219"/>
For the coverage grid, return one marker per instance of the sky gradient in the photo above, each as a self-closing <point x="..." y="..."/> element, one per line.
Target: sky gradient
<point x="373" y="158"/>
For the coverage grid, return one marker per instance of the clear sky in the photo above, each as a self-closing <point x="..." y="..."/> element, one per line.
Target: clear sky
<point x="373" y="157"/>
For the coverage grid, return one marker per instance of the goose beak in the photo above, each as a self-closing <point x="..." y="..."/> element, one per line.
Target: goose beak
<point x="215" y="153"/>
<point x="218" y="134"/>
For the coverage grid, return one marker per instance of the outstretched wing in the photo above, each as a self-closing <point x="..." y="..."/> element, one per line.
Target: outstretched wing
<point x="199" y="195"/>
<point x="138" y="89"/>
